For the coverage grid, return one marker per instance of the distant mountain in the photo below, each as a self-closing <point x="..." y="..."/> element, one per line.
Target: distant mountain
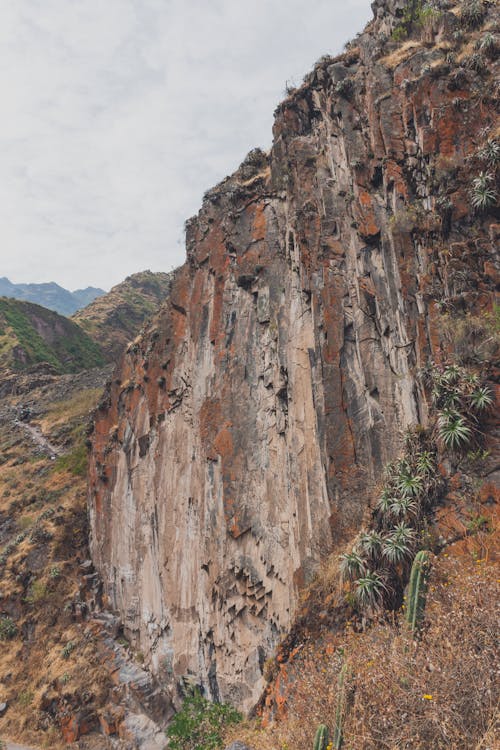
<point x="115" y="318"/>
<point x="50" y="295"/>
<point x="31" y="334"/>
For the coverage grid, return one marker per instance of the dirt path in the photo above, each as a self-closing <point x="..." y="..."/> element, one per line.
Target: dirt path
<point x="13" y="746"/>
<point x="38" y="438"/>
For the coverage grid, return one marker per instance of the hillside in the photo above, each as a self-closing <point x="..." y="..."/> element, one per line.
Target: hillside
<point x="114" y="319"/>
<point x="50" y="295"/>
<point x="31" y="334"/>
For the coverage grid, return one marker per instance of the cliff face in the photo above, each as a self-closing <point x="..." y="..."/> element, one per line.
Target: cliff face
<point x="242" y="435"/>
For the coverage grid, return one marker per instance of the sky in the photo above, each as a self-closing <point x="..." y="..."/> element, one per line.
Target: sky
<point x="117" y="115"/>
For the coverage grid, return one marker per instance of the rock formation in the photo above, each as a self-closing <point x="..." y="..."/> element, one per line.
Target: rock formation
<point x="116" y="318"/>
<point x="241" y="436"/>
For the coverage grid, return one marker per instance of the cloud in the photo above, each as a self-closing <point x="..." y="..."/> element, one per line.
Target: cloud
<point x="117" y="117"/>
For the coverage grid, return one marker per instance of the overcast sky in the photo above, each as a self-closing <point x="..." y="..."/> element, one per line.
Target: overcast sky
<point x="117" y="115"/>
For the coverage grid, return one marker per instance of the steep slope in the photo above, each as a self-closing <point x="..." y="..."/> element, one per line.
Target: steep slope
<point x="31" y="334"/>
<point x="50" y="295"/>
<point x="247" y="429"/>
<point x="50" y="667"/>
<point x="114" y="319"/>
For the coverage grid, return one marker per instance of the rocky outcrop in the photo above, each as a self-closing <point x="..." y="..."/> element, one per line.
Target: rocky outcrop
<point x="116" y="318"/>
<point x="242" y="435"/>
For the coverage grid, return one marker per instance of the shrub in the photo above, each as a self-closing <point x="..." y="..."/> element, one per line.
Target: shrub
<point x="200" y="724"/>
<point x="472" y="13"/>
<point x="68" y="650"/>
<point x="8" y="628"/>
<point x="345" y="88"/>
<point x="37" y="593"/>
<point x="371" y="543"/>
<point x="25" y="698"/>
<point x="417" y="14"/>
<point x="476" y="62"/>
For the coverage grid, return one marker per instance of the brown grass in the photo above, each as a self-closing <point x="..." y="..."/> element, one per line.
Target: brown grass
<point x="438" y="691"/>
<point x="39" y="579"/>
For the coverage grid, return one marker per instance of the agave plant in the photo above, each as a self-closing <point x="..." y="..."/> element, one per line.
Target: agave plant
<point x="410" y="485"/>
<point x="490" y="152"/>
<point x="403" y="507"/>
<point x="395" y="551"/>
<point x="403" y="533"/>
<point x="385" y="501"/>
<point x="471" y="378"/>
<point x="371" y="543"/>
<point x="483" y="194"/>
<point x="451" y="374"/>
<point x="425" y="462"/>
<point x="370" y="590"/>
<point x="352" y="565"/>
<point x="453" y="430"/>
<point x="481" y="399"/>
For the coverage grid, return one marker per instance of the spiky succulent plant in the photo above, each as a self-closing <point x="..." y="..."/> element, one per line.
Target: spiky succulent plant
<point x="370" y="590"/>
<point x="352" y="565"/>
<point x="453" y="430"/>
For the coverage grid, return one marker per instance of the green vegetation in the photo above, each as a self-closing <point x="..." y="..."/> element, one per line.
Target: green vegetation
<point x="68" y="650"/>
<point x="321" y="738"/>
<point x="37" y="593"/>
<point x="75" y="461"/>
<point x="417" y="588"/>
<point x="472" y="13"/>
<point x="460" y="400"/>
<point x="25" y="698"/>
<point x="482" y="193"/>
<point x="339" y="712"/>
<point x="415" y="16"/>
<point x="8" y="628"/>
<point x="378" y="566"/>
<point x="199" y="724"/>
<point x="30" y="334"/>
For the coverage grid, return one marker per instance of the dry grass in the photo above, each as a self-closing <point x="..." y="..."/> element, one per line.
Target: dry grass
<point x="438" y="691"/>
<point x="403" y="53"/>
<point x="79" y="405"/>
<point x="401" y="692"/>
<point x="40" y="578"/>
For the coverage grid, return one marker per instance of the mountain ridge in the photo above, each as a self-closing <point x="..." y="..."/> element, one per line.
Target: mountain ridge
<point x="50" y="295"/>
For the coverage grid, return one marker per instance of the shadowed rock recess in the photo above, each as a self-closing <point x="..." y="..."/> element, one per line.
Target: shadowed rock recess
<point x="242" y="435"/>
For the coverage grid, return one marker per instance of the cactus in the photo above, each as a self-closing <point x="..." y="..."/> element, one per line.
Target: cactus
<point x="321" y="738"/>
<point x="417" y="588"/>
<point x="339" y="713"/>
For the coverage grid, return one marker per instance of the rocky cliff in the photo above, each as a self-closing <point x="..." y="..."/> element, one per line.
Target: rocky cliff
<point x="242" y="436"/>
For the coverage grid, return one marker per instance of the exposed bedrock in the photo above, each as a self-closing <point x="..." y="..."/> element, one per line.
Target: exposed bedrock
<point x="241" y="437"/>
